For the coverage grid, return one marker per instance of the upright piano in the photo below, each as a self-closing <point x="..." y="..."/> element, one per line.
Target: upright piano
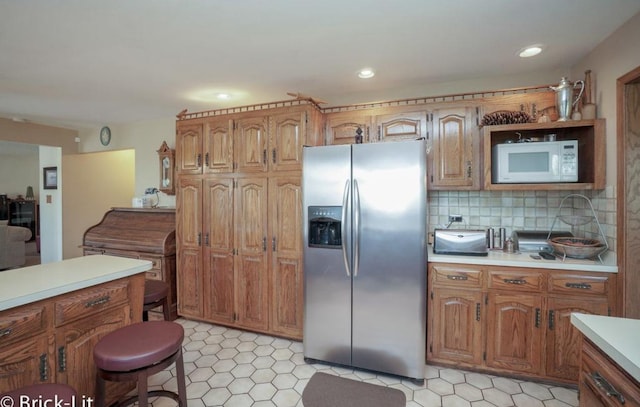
<point x="139" y="233"/>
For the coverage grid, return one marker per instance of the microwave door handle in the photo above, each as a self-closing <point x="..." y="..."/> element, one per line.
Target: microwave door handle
<point x="343" y="226"/>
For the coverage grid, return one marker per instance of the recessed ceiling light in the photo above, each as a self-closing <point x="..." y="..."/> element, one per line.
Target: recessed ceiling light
<point x="366" y="73"/>
<point x="530" y="51"/>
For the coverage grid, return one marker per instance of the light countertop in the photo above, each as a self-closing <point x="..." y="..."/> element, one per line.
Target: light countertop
<point x="523" y="259"/>
<point x="29" y="284"/>
<point x="617" y="337"/>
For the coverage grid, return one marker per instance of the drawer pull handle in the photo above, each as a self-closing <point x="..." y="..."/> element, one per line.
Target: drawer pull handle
<point x="5" y="332"/>
<point x="538" y="317"/>
<point x="514" y="281"/>
<point x="602" y="383"/>
<point x="477" y="311"/>
<point x="458" y="278"/>
<point x="44" y="370"/>
<point x="98" y="301"/>
<point x="581" y="286"/>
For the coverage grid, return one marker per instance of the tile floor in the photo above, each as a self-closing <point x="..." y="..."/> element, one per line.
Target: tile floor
<point x="233" y="368"/>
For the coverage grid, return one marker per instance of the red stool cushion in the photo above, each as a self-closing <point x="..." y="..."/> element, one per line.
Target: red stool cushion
<point x="138" y="345"/>
<point x="44" y="391"/>
<point x="155" y="290"/>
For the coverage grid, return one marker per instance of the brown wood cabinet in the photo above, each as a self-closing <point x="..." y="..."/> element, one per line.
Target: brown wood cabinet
<point x="342" y="128"/>
<point x="455" y="149"/>
<point x="511" y="320"/>
<point x="239" y="240"/>
<point x="603" y="383"/>
<point x="52" y="340"/>
<point x="455" y="321"/>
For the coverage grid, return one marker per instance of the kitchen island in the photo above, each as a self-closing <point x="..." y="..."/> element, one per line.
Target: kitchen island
<point x="610" y="360"/>
<point x="52" y="315"/>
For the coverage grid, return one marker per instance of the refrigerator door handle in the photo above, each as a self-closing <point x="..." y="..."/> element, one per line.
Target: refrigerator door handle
<point x="343" y="227"/>
<point x="356" y="228"/>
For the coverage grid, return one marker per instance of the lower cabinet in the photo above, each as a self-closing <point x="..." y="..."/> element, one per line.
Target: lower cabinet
<point x="52" y="341"/>
<point x="603" y="383"/>
<point x="511" y="320"/>
<point x="241" y="265"/>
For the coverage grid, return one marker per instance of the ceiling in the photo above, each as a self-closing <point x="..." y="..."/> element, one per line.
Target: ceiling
<point x="93" y="62"/>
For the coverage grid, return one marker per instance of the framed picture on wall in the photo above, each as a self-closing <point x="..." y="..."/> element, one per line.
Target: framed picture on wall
<point x="50" y="176"/>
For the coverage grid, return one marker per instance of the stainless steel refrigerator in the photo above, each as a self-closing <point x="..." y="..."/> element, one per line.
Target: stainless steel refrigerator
<point x="365" y="258"/>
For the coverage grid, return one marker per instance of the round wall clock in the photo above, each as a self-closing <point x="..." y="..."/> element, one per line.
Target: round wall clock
<point x="105" y="135"/>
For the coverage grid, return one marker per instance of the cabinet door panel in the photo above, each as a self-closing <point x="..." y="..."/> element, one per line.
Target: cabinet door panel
<point x="456" y="326"/>
<point x="219" y="273"/>
<point x="455" y="150"/>
<point x="74" y="352"/>
<point x="563" y="340"/>
<point x="514" y="332"/>
<point x="189" y="148"/>
<point x="288" y="135"/>
<point x="250" y="141"/>
<point x="218" y="147"/>
<point x="25" y="363"/>
<point x="401" y="126"/>
<point x="189" y="209"/>
<point x="285" y="202"/>
<point x="189" y="283"/>
<point x="251" y="260"/>
<point x="342" y="129"/>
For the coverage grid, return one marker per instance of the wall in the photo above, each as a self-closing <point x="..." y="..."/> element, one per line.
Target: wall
<point x="94" y="183"/>
<point x="145" y="138"/>
<point x="615" y="56"/>
<point x="50" y="208"/>
<point x="33" y="133"/>
<point x="523" y="210"/>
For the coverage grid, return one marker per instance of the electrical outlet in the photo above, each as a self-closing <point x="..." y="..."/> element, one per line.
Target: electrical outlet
<point x="150" y="191"/>
<point x="455" y="218"/>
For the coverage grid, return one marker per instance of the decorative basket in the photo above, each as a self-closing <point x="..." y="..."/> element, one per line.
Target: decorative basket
<point x="577" y="248"/>
<point x="505" y="117"/>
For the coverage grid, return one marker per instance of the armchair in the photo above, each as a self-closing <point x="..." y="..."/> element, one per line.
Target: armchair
<point x="12" y="245"/>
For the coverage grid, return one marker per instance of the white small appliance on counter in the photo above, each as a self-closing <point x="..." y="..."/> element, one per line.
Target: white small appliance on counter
<point x="535" y="162"/>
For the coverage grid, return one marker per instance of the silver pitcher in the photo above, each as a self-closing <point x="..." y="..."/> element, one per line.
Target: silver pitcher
<point x="564" y="97"/>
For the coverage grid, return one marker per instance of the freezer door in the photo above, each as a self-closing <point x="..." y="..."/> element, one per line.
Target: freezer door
<point x="390" y="263"/>
<point x="326" y="179"/>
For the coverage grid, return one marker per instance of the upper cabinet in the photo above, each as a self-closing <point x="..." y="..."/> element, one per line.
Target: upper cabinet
<point x="347" y="128"/>
<point x="454" y="149"/>
<point x="590" y="135"/>
<point x="401" y="126"/>
<point x="354" y="127"/>
<point x="246" y="143"/>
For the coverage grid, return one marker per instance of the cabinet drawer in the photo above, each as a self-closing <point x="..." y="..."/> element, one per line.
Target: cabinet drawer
<point x="90" y="301"/>
<point x="21" y="323"/>
<point x="155" y="273"/>
<point x="578" y="283"/>
<point x="606" y="380"/>
<point x="458" y="276"/>
<point x="516" y="280"/>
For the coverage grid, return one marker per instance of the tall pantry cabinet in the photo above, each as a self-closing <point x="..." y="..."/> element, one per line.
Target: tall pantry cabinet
<point x="239" y="214"/>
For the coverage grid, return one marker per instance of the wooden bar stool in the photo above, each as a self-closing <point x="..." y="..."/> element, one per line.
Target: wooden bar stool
<point x="137" y="351"/>
<point x="156" y="294"/>
<point x="44" y="392"/>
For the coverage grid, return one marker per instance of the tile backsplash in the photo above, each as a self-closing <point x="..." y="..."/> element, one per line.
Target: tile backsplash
<point x="525" y="210"/>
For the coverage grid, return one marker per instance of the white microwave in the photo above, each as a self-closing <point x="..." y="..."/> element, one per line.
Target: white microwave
<point x="535" y="162"/>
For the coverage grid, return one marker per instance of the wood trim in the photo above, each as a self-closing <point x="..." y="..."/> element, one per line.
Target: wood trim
<point x="629" y="288"/>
